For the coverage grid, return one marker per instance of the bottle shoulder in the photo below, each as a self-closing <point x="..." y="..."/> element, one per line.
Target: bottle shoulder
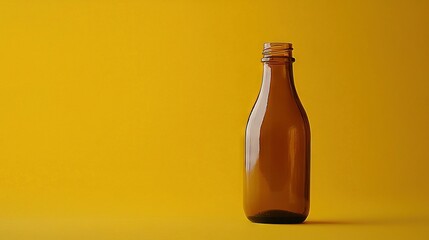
<point x="282" y="109"/>
<point x="279" y="117"/>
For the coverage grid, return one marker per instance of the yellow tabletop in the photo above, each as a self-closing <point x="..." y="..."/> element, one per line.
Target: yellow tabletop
<point x="124" y="119"/>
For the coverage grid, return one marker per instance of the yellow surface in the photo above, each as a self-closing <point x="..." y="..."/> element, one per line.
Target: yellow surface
<point x="125" y="119"/>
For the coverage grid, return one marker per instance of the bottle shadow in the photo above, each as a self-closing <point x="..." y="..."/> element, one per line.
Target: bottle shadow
<point x="332" y="222"/>
<point x="371" y="221"/>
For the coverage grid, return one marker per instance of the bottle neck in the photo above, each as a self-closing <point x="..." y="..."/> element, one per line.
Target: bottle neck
<point x="277" y="81"/>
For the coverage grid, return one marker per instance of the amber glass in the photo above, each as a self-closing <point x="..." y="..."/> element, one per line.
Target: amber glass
<point x="277" y="162"/>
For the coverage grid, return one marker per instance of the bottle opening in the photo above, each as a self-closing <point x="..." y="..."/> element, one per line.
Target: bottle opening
<point x="277" y="51"/>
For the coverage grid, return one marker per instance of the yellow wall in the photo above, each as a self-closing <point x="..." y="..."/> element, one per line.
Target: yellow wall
<point x="138" y="108"/>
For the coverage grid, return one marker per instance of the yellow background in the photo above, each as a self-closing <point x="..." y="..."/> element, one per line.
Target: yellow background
<point x="125" y="119"/>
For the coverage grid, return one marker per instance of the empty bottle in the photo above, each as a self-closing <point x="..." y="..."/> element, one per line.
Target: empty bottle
<point x="277" y="161"/>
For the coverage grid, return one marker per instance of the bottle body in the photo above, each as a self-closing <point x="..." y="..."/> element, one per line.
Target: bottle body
<point x="277" y="162"/>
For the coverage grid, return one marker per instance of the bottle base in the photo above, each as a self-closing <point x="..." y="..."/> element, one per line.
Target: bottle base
<point x="277" y="217"/>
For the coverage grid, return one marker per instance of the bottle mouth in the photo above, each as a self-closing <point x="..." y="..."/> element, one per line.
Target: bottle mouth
<point x="277" y="51"/>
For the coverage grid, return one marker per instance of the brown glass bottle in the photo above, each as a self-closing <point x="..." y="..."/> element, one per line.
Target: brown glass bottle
<point x="277" y="164"/>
